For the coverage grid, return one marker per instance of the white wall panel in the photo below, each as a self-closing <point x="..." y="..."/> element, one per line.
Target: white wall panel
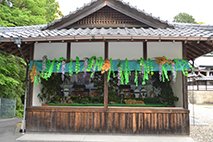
<point x="36" y="91"/>
<point x="87" y="49"/>
<point x="169" y="49"/>
<point x="129" y="50"/>
<point x="52" y="50"/>
<point x="177" y="89"/>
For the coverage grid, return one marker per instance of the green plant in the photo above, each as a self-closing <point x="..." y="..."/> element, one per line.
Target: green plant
<point x="112" y="96"/>
<point x="167" y="95"/>
<point x="51" y="88"/>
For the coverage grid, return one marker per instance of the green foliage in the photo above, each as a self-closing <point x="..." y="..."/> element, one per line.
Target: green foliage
<point x="98" y="81"/>
<point x="167" y="95"/>
<point x="28" y="12"/>
<point x="184" y="18"/>
<point x="51" y="88"/>
<point x="12" y="79"/>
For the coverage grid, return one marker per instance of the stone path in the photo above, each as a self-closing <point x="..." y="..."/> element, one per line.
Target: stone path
<point x="202" y="131"/>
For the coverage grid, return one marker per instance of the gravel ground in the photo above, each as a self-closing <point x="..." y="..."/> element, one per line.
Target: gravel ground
<point x="204" y="113"/>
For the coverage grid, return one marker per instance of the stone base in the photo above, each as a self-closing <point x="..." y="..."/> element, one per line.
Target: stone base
<point x="200" y="97"/>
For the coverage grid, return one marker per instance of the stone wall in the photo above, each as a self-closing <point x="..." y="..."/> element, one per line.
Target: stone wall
<point x="201" y="97"/>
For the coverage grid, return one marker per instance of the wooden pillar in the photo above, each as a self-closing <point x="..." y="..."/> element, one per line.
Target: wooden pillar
<point x="68" y="51"/>
<point x="30" y="92"/>
<point x="105" y="77"/>
<point x="184" y="80"/>
<point x="145" y="50"/>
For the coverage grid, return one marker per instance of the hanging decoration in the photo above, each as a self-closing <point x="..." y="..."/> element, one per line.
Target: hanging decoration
<point x="85" y="67"/>
<point x="127" y="71"/>
<point x="124" y="68"/>
<point x="63" y="70"/>
<point x="70" y="68"/>
<point x="163" y="62"/>
<point x="77" y="66"/>
<point x="33" y="73"/>
<point x="106" y="66"/>
<point x="51" y="69"/>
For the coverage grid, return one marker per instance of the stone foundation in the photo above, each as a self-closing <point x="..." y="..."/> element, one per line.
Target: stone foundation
<point x="201" y="97"/>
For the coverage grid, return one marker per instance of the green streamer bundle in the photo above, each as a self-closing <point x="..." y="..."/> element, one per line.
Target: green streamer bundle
<point x="51" y="68"/>
<point x="127" y="71"/>
<point x="122" y="76"/>
<point x="100" y="63"/>
<point x="77" y="66"/>
<point x="110" y="70"/>
<point x="70" y="68"/>
<point x="136" y="77"/>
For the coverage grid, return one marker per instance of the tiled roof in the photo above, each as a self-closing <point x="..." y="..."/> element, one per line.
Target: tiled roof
<point x="21" y="28"/>
<point x="36" y="32"/>
<point x="204" y="78"/>
<point x="93" y="1"/>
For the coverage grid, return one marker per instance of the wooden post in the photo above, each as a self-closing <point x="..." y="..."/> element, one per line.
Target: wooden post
<point x="145" y="50"/>
<point x="68" y="51"/>
<point x="105" y="77"/>
<point x="184" y="80"/>
<point x="30" y="92"/>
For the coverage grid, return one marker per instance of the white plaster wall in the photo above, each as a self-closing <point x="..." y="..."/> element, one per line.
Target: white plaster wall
<point x="36" y="91"/>
<point x="87" y="49"/>
<point x="129" y="50"/>
<point x="177" y="89"/>
<point x="52" y="50"/>
<point x="168" y="49"/>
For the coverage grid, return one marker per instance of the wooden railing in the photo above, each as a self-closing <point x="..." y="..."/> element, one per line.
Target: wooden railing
<point x="111" y="120"/>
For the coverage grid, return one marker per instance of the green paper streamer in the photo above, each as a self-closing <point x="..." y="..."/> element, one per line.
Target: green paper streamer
<point x="126" y="73"/>
<point x="77" y="66"/>
<point x="122" y="77"/>
<point x="136" y="77"/>
<point x="110" y="70"/>
<point x="51" y="69"/>
<point x="70" y="68"/>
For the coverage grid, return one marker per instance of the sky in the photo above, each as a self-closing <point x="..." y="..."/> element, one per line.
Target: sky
<point x="201" y="10"/>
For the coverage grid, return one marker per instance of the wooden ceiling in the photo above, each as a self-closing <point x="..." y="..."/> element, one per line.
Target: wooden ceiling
<point x="12" y="48"/>
<point x="193" y="49"/>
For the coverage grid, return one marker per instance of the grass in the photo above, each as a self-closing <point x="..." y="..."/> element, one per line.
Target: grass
<point x="118" y="105"/>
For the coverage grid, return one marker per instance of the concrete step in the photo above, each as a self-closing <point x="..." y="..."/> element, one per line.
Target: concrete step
<point x="50" y="137"/>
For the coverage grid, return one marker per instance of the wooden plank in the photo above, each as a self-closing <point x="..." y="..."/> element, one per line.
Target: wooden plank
<point x="29" y="121"/>
<point x="96" y="122"/>
<point x="109" y="122"/>
<point x="91" y="122"/>
<point x="58" y="121"/>
<point x="42" y="122"/>
<point x="116" y="123"/>
<point x="141" y="122"/>
<point x="122" y="123"/>
<point x="172" y="122"/>
<point x="72" y="122"/>
<point x="160" y="123"/>
<point x="134" y="126"/>
<point x="77" y="122"/>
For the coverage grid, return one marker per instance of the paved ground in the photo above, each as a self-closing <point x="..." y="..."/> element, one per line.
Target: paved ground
<point x="202" y="113"/>
<point x="8" y="130"/>
<point x="101" y="138"/>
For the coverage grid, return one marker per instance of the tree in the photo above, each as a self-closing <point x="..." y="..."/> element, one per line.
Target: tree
<point x="184" y="18"/>
<point x="13" y="69"/>
<point x="28" y="12"/>
<point x="12" y="79"/>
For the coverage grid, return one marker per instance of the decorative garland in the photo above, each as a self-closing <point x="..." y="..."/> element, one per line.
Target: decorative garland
<point x="106" y="66"/>
<point x="92" y="64"/>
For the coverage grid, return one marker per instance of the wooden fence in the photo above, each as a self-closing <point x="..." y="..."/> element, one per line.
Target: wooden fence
<point x="111" y="120"/>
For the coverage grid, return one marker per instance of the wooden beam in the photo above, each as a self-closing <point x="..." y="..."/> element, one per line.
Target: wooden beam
<point x="106" y="85"/>
<point x="145" y="50"/>
<point x="184" y="51"/>
<point x="30" y="92"/>
<point x="68" y="51"/>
